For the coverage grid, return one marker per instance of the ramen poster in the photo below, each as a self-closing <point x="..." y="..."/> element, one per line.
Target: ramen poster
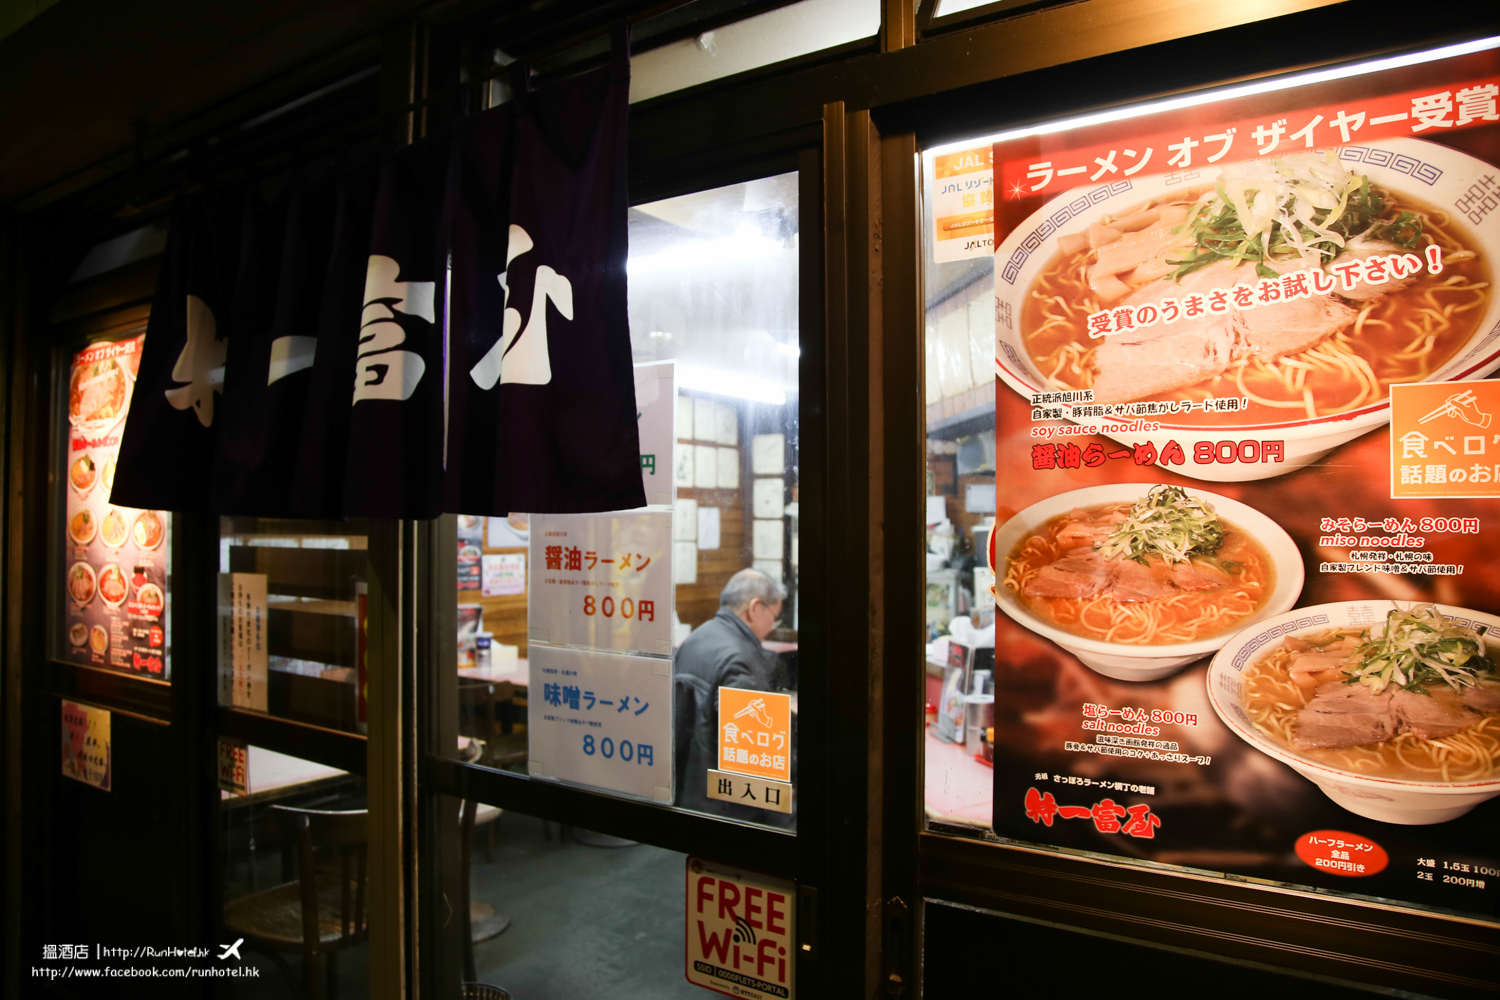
<point x="1247" y="547"/>
<point x="115" y="560"/>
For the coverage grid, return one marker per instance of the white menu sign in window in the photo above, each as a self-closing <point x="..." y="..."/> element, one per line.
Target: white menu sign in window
<point x="601" y="719"/>
<point x="242" y="640"/>
<point x="602" y="581"/>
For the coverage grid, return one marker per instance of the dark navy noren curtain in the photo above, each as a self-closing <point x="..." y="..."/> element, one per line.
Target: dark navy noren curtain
<point x="543" y="413"/>
<point x="181" y="373"/>
<point x="440" y="329"/>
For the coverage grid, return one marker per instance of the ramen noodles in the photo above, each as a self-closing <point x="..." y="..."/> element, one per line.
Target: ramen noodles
<point x="82" y="473"/>
<point x="113" y="529"/>
<point x="149" y="529"/>
<point x="1162" y="570"/>
<point x="81" y="526"/>
<point x="150" y="597"/>
<point x="96" y="392"/>
<point x="80" y="583"/>
<point x="1291" y="360"/>
<point x="1415" y="698"/>
<point x="112" y="585"/>
<point x="98" y="639"/>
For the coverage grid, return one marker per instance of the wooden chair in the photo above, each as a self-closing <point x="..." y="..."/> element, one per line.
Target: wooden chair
<point x="483" y="921"/>
<point x="480" y="705"/>
<point x="323" y="910"/>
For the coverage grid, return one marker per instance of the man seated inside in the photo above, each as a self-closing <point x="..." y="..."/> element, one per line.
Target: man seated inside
<point x="724" y="651"/>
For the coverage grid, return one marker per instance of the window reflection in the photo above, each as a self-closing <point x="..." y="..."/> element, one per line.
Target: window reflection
<point x="960" y="513"/>
<point x="295" y="830"/>
<point x="714" y="279"/>
<point x="291" y="612"/>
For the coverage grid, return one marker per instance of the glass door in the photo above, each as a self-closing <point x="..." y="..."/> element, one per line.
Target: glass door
<point x="610" y="698"/>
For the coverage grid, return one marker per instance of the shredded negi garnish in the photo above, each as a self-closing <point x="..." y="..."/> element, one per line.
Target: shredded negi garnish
<point x="1420" y="648"/>
<point x="1300" y="207"/>
<point x="1168" y="523"/>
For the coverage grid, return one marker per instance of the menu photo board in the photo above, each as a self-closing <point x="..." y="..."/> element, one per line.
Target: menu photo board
<point x="115" y="562"/>
<point x="1249" y="440"/>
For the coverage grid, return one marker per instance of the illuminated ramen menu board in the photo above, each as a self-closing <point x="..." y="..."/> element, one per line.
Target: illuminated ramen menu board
<point x="115" y="560"/>
<point x="1248" y="431"/>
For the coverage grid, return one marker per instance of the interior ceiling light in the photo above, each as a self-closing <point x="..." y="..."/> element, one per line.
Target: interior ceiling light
<point x="704" y="253"/>
<point x="736" y="384"/>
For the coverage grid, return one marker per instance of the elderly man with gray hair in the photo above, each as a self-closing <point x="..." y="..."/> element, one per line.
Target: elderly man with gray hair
<point x="724" y="651"/>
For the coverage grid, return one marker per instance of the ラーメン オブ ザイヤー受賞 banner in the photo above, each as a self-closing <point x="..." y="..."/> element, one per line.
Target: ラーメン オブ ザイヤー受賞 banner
<point x="1248" y="445"/>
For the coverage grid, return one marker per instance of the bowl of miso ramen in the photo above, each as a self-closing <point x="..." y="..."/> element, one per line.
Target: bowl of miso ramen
<point x="1271" y="301"/>
<point x="1138" y="580"/>
<point x="1391" y="708"/>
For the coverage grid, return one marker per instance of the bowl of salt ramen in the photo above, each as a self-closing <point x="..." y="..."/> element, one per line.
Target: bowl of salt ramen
<point x="1138" y="580"/>
<point x="1251" y="393"/>
<point x="1397" y="748"/>
<point x="83" y="473"/>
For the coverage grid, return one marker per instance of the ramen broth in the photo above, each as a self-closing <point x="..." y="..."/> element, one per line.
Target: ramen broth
<point x="1181" y="617"/>
<point x="1273" y="700"/>
<point x="1403" y="336"/>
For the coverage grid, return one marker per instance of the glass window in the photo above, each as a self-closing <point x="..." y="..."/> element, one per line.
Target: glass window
<point x="794" y="30"/>
<point x="958" y="6"/>
<point x="110" y="578"/>
<point x="291" y="619"/>
<point x="533" y="883"/>
<point x="291" y="825"/>
<point x="713" y="292"/>
<point x="960" y="393"/>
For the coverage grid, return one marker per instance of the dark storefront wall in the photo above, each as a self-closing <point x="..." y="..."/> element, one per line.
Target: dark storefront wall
<point x="852" y="126"/>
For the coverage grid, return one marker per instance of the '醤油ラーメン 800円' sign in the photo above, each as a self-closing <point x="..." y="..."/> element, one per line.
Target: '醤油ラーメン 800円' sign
<point x="1249" y="446"/>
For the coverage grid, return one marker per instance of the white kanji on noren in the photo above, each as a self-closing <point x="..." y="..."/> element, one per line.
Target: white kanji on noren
<point x="382" y="370"/>
<point x="520" y="355"/>
<point x="200" y="365"/>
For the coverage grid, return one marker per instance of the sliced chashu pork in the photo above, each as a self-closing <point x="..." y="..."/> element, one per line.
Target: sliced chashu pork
<point x="1082" y="572"/>
<point x="1168" y="356"/>
<point x="1345" y="715"/>
<point x="1363" y="250"/>
<point x="1083" y="528"/>
<point x="1484" y="699"/>
<point x="1438" y="713"/>
<point x="1274" y="331"/>
<point x="1079" y="573"/>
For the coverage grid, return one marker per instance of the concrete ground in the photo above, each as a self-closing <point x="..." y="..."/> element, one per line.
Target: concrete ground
<point x="586" y="921"/>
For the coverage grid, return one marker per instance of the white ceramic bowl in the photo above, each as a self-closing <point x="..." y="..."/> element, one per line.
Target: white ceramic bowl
<point x="1124" y="661"/>
<point x="1433" y="174"/>
<point x="1389" y="800"/>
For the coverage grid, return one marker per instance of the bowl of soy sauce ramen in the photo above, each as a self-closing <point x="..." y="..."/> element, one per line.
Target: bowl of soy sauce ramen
<point x="1307" y="373"/>
<point x="1138" y="580"/>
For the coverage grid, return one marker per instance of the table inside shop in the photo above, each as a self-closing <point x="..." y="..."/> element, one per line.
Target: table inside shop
<point x="515" y="672"/>
<point x="271" y="775"/>
<point x="959" y="789"/>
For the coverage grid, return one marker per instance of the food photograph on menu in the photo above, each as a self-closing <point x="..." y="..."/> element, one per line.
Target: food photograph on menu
<point x="115" y="559"/>
<point x="1248" y="440"/>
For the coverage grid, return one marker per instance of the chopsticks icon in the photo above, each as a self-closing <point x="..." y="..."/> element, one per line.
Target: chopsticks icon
<point x="1461" y="405"/>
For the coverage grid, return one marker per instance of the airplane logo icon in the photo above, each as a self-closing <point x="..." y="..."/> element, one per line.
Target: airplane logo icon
<point x="231" y="949"/>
